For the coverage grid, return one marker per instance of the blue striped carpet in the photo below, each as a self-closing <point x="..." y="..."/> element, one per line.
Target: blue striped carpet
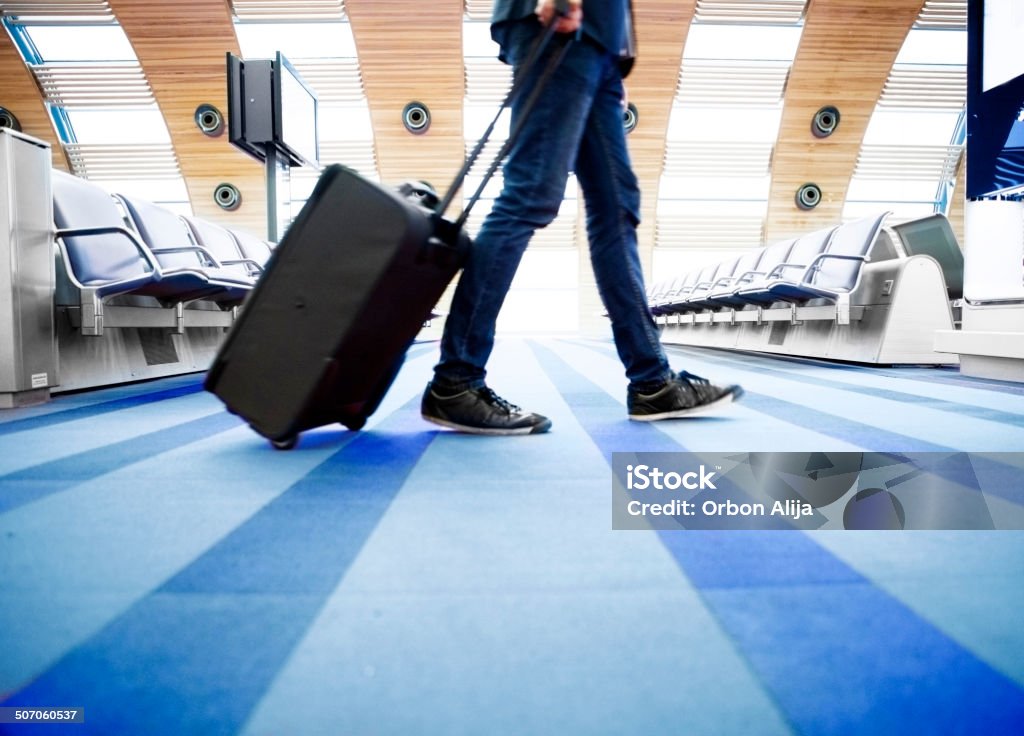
<point x="164" y="569"/>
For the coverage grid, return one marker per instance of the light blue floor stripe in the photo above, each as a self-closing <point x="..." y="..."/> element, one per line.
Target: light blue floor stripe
<point x="816" y="376"/>
<point x="56" y="414"/>
<point x="82" y="401"/>
<point x="36" y="482"/>
<point x="947" y="375"/>
<point x="997" y="473"/>
<point x="741" y="428"/>
<point x="823" y="421"/>
<point x="37" y="447"/>
<point x="967" y="583"/>
<point x="839" y="654"/>
<point x="930" y="428"/>
<point x="196" y="656"/>
<point x="72" y="562"/>
<point x="494" y="598"/>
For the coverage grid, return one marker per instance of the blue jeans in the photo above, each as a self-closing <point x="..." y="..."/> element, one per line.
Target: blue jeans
<point x="576" y="124"/>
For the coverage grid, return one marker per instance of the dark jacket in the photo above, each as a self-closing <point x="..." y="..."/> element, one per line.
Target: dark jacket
<point x="607" y="22"/>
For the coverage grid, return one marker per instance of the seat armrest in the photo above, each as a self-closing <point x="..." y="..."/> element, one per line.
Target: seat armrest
<point x="255" y="265"/>
<point x="815" y="264"/>
<point x="190" y="249"/>
<point x="782" y="267"/>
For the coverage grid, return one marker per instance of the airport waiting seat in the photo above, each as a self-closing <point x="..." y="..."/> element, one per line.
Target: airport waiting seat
<point x="170" y="240"/>
<point x="933" y="236"/>
<point x="696" y="299"/>
<point x="676" y="303"/>
<point x="104" y="259"/>
<point x="675" y="286"/>
<point x="251" y="247"/>
<point x="655" y="292"/>
<point x="222" y="245"/>
<point x="769" y="288"/>
<point x="752" y="266"/>
<point x="662" y="292"/>
<point x="833" y="273"/>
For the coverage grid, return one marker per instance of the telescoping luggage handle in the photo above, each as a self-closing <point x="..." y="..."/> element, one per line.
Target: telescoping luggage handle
<point x="561" y="9"/>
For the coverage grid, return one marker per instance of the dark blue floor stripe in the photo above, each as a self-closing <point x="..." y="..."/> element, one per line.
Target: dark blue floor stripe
<point x="838" y="655"/>
<point x="831" y="425"/>
<point x="1002" y="477"/>
<point x="194" y="386"/>
<point x="99" y="408"/>
<point x="948" y="374"/>
<point x="197" y="655"/>
<point x="31" y="484"/>
<point x="952" y="407"/>
<point x="762" y="366"/>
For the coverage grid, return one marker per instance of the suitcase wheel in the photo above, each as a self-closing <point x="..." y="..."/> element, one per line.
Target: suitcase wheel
<point x="286" y="443"/>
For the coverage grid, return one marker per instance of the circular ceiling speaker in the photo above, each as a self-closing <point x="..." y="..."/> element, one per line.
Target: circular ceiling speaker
<point x="630" y="117"/>
<point x="416" y="118"/>
<point x="227" y="197"/>
<point x="808" y="196"/>
<point x="7" y="120"/>
<point x="825" y="121"/>
<point x="209" y="120"/>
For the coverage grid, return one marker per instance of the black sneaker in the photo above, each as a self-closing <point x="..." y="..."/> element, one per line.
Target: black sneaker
<point x="479" y="411"/>
<point x="686" y="395"/>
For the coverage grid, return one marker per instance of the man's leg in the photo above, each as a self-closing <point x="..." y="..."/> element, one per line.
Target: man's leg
<point x="612" y="198"/>
<point x="535" y="175"/>
<point x="613" y="212"/>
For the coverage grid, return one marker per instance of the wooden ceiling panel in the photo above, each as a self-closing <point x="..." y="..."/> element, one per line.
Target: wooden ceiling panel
<point x="181" y="45"/>
<point x="846" y="52"/>
<point x="21" y="95"/>
<point x="661" y="30"/>
<point x="411" y="51"/>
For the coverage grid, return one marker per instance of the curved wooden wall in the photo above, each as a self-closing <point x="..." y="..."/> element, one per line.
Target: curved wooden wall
<point x="181" y="45"/>
<point x="661" y="30"/>
<point x="411" y="51"/>
<point x="846" y="52"/>
<point x="20" y="94"/>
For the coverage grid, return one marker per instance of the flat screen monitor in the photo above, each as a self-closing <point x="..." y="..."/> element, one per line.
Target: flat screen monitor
<point x="295" y="115"/>
<point x="271" y="108"/>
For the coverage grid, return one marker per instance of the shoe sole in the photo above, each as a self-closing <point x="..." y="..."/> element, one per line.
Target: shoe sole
<point x="695" y="411"/>
<point x="535" y="429"/>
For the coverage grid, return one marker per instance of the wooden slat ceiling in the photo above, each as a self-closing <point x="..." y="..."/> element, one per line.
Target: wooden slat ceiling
<point x="661" y="30"/>
<point x="181" y="45"/>
<point x="411" y="51"/>
<point x="845" y="55"/>
<point x="20" y="94"/>
<point x="846" y="51"/>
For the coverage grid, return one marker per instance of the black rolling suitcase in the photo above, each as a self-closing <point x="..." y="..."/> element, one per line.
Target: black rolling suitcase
<point x="324" y="332"/>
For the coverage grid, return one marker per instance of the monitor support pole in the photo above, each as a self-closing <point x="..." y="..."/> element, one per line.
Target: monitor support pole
<point x="278" y="177"/>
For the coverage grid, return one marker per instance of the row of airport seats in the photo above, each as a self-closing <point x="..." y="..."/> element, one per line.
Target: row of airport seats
<point x="125" y="249"/>
<point x="844" y="275"/>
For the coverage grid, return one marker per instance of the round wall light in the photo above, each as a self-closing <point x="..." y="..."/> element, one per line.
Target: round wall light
<point x="825" y="121"/>
<point x="227" y="197"/>
<point x="209" y="120"/>
<point x="416" y="118"/>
